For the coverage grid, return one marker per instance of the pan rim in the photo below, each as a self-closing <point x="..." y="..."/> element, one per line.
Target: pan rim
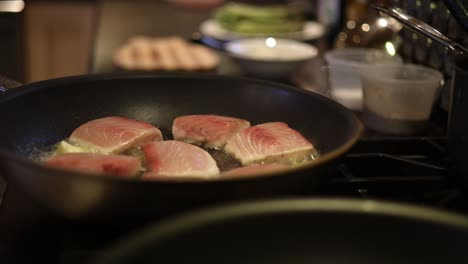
<point x="323" y="159"/>
<point x="157" y="233"/>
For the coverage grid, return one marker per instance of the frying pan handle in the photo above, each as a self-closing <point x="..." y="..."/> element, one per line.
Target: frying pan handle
<point x="7" y="83"/>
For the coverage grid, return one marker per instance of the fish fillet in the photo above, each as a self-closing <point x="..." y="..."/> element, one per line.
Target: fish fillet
<point x="209" y="130"/>
<point x="112" y="135"/>
<point x="97" y="163"/>
<point x="269" y="142"/>
<point x="165" y="159"/>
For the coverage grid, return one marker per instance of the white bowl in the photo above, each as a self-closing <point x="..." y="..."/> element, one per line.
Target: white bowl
<point x="270" y="58"/>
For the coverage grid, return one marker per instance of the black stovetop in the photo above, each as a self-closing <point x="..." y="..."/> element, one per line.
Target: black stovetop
<point x="404" y="169"/>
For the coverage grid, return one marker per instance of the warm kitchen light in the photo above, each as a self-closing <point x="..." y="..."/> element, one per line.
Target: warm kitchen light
<point x="12" y="6"/>
<point x="270" y="42"/>
<point x="390" y="48"/>
<point x="365" y="27"/>
<point x="382" y="22"/>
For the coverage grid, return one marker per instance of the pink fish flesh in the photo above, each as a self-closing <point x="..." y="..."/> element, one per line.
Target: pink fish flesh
<point x="114" y="134"/>
<point x="165" y="159"/>
<point x="209" y="130"/>
<point x="97" y="163"/>
<point x="255" y="169"/>
<point x="269" y="142"/>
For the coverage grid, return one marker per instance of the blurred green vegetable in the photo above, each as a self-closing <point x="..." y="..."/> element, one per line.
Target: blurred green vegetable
<point x="250" y="19"/>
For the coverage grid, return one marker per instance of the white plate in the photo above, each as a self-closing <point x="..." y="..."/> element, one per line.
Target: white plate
<point x="211" y="28"/>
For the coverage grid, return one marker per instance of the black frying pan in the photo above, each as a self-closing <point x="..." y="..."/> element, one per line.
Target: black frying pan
<point x="38" y="115"/>
<point x="318" y="231"/>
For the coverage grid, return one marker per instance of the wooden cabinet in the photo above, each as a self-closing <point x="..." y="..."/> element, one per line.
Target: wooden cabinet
<point x="11" y="50"/>
<point x="58" y="38"/>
